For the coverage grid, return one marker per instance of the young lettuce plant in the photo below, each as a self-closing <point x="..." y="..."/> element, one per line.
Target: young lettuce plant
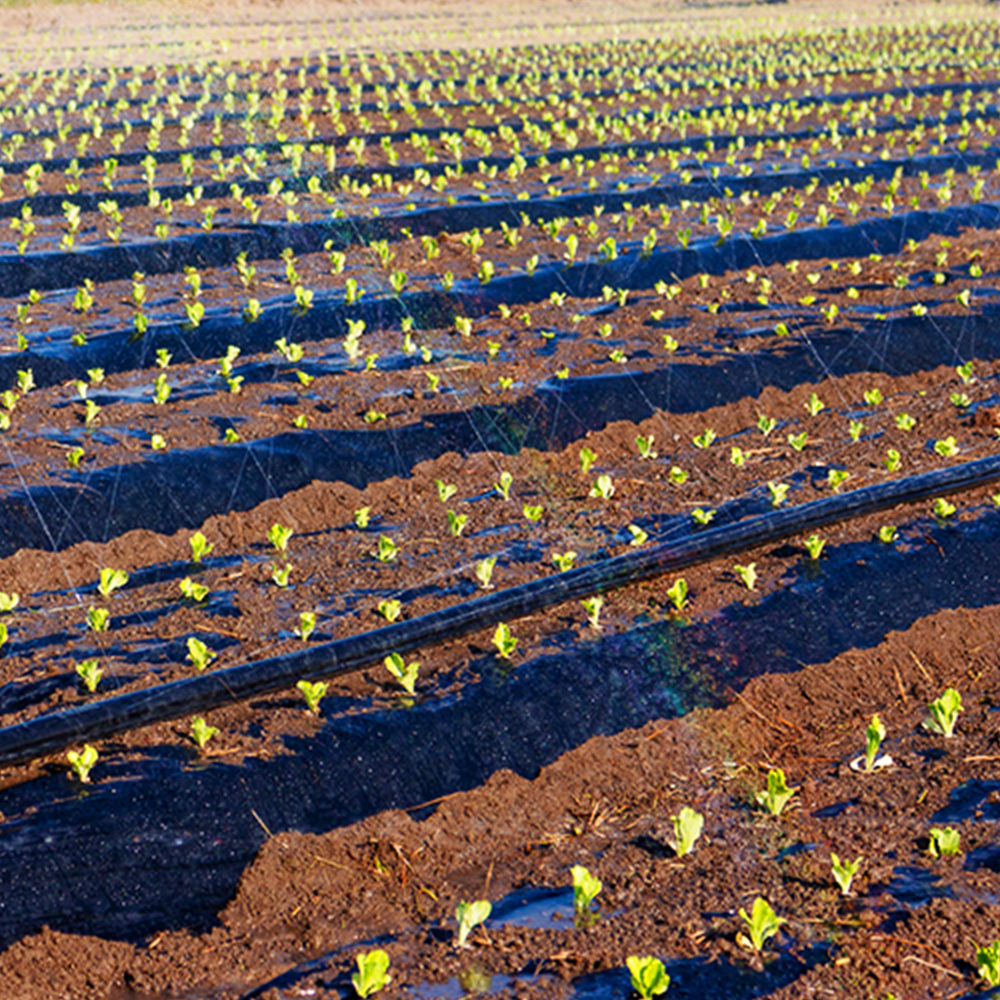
<point x="484" y="571"/>
<point x="988" y="963"/>
<point x="503" y="486"/>
<point x="191" y="590"/>
<point x="200" y="547"/>
<point x="90" y="673"/>
<point x="585" y="889"/>
<point x="8" y="602"/>
<point x="470" y="916"/>
<point x="688" y="824"/>
<point x="307" y="625"/>
<point x="944" y="713"/>
<point x="313" y="693"/>
<point x="593" y="605"/>
<point x="777" y="795"/>
<point x="198" y="653"/>
<point x="97" y="619"/>
<point x="944" y="842"/>
<point x="372" y="974"/>
<point x="390" y="610"/>
<point x="678" y="593"/>
<point x="405" y="673"/>
<point x="844" y="872"/>
<point x="111" y="580"/>
<point x="874" y="735"/>
<point x="563" y="560"/>
<point x="278" y="536"/>
<point x="202" y="732"/>
<point x="649" y="978"/>
<point x="748" y="574"/>
<point x="504" y="641"/>
<point x="814" y="546"/>
<point x="762" y="923"/>
<point x="82" y="762"/>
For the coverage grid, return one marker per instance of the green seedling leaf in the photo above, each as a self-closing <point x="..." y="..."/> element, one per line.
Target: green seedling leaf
<point x="82" y="762"/>
<point x="198" y="653"/>
<point x="111" y="580"/>
<point x="645" y="446"/>
<point x="748" y="574"/>
<point x="445" y="490"/>
<point x="390" y="610"/>
<point x="563" y="560"/>
<point x="778" y="491"/>
<point x="678" y="476"/>
<point x="202" y="732"/>
<point x="944" y="842"/>
<point x="362" y="517"/>
<point x="90" y="673"/>
<point x="777" y="795"/>
<point x="387" y="549"/>
<point x="503" y="640"/>
<point x="593" y="605"/>
<point x="484" y="572"/>
<point x="944" y="713"/>
<point x="988" y="963"/>
<point x="688" y="825"/>
<point x="702" y="516"/>
<point x="942" y="508"/>
<point x="639" y="537"/>
<point x="470" y="915"/>
<point x="585" y="889"/>
<point x="705" y="440"/>
<point x="649" y="978"/>
<point x="678" y="593"/>
<point x="874" y="735"/>
<point x="533" y="513"/>
<point x="456" y="523"/>
<point x="97" y="619"/>
<point x="603" y="487"/>
<point x="766" y="424"/>
<point x="307" y="625"/>
<point x="372" y="973"/>
<point x="405" y="673"/>
<point x="503" y="486"/>
<point x="888" y="533"/>
<point x="200" y="547"/>
<point x="280" y="574"/>
<point x="844" y="872"/>
<point x="191" y="590"/>
<point x="798" y="441"/>
<point x="278" y="536"/>
<point x="9" y="601"/>
<point x="762" y="922"/>
<point x="313" y="693"/>
<point x="814" y="546"/>
<point x="587" y="459"/>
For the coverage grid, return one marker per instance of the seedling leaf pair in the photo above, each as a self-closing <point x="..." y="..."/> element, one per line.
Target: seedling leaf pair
<point x="844" y="872"/>
<point x="585" y="889"/>
<point x="469" y="916"/>
<point x="649" y="978"/>
<point x="405" y="673"/>
<point x="762" y="923"/>
<point x="372" y="974"/>
<point x="777" y="795"/>
<point x="944" y="713"/>
<point x="688" y="825"/>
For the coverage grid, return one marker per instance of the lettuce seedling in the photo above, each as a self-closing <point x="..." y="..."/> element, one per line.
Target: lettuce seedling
<point x="111" y="580"/>
<point x="593" y="605"/>
<point x="202" y="732"/>
<point x="585" y="889"/>
<point x="688" y="824"/>
<point x="905" y="422"/>
<point x="705" y="440"/>
<point x="200" y="547"/>
<point x="873" y="397"/>
<point x="942" y="508"/>
<point x="639" y="537"/>
<point x="649" y="978"/>
<point x="587" y="459"/>
<point x="307" y="625"/>
<point x="944" y="713"/>
<point x="456" y="523"/>
<point x="198" y="653"/>
<point x="9" y="601"/>
<point x="888" y="533"/>
<point x="503" y="640"/>
<point x="762" y="922"/>
<point x="678" y="476"/>
<point x="193" y="591"/>
<point x="988" y="963"/>
<point x="944" y="843"/>
<point x="748" y="574"/>
<point x="563" y="560"/>
<point x="798" y="441"/>
<point x="97" y="619"/>
<point x="891" y="460"/>
<point x="678" y="593"/>
<point x="82" y="762"/>
<point x="387" y="549"/>
<point x="470" y="915"/>
<point x="405" y="673"/>
<point x="533" y="513"/>
<point x="90" y="673"/>
<point x="372" y="974"/>
<point x="844" y="872"/>
<point x="484" y="572"/>
<point x="645" y="446"/>
<point x="503" y="487"/>
<point x="362" y="517"/>
<point x="313" y="693"/>
<point x="280" y="574"/>
<point x="390" y="610"/>
<point x="445" y="490"/>
<point x="736" y="457"/>
<point x="836" y="478"/>
<point x="814" y="546"/>
<point x="814" y="405"/>
<point x="874" y="735"/>
<point x="766" y="424"/>
<point x="946" y="447"/>
<point x="603" y="487"/>
<point x="777" y="795"/>
<point x="278" y="536"/>
<point x="778" y="493"/>
<point x="702" y="516"/>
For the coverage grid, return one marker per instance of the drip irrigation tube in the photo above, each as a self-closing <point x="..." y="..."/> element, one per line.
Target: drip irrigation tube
<point x="51" y="733"/>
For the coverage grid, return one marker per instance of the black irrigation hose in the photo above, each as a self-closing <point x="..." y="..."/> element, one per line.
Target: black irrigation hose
<point x="206" y="691"/>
